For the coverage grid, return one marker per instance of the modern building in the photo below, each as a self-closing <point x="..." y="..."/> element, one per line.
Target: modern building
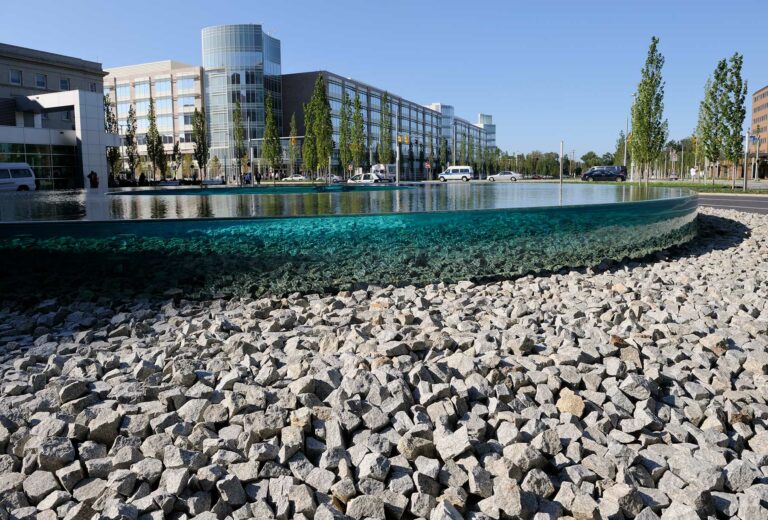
<point x="485" y="123"/>
<point x="52" y="116"/>
<point x="759" y="128"/>
<point x="241" y="63"/>
<point x="461" y="135"/>
<point x="177" y="91"/>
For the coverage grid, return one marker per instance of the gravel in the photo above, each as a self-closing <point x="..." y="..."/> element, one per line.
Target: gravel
<point x="631" y="390"/>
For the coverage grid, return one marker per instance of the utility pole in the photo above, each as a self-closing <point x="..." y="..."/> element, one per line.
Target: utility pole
<point x="746" y="156"/>
<point x="625" y="143"/>
<point x="453" y="149"/>
<point x="561" y="165"/>
<point x="397" y="146"/>
<point x="250" y="147"/>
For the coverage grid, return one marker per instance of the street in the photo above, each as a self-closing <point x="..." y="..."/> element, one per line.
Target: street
<point x="748" y="203"/>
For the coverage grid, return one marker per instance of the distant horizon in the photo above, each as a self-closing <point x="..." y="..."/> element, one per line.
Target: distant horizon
<point x="570" y="78"/>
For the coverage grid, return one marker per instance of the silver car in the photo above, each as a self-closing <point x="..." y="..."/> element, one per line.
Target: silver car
<point x="505" y="176"/>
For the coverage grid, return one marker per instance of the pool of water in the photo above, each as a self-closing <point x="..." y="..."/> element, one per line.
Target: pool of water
<point x="316" y="242"/>
<point x="296" y="201"/>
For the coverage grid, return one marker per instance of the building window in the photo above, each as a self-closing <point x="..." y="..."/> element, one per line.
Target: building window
<point x="64" y="84"/>
<point x="123" y="92"/>
<point x="185" y="84"/>
<point x="162" y="87"/>
<point x="94" y="87"/>
<point x="14" y="77"/>
<point x="334" y="90"/>
<point x="141" y="90"/>
<point x="235" y="79"/>
<point x="41" y="81"/>
<point x="67" y="115"/>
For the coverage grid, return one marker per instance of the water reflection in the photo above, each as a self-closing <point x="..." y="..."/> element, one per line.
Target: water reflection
<point x="284" y="202"/>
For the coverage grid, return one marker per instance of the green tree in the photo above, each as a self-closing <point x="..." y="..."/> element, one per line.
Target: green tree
<point x="345" y="132"/>
<point x="357" y="146"/>
<point x="154" y="142"/>
<point x="200" y="140"/>
<point x="293" y="145"/>
<point x="215" y="166"/>
<point x="323" y="128"/>
<point x="649" y="128"/>
<point x="443" y="153"/>
<point x="472" y="160"/>
<point x="591" y="159"/>
<point x="309" y="150"/>
<point x="385" y="146"/>
<point x="238" y="135"/>
<point x="618" y="157"/>
<point x="463" y="149"/>
<point x="186" y="166"/>
<point x="110" y="126"/>
<point x="735" y="111"/>
<point x="131" y="145"/>
<point x="711" y="124"/>
<point x="176" y="158"/>
<point x="273" y="152"/>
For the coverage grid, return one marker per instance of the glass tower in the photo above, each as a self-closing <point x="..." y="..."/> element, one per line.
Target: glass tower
<point x="240" y="63"/>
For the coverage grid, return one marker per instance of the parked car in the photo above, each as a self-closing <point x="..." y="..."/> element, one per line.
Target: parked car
<point x="17" y="177"/>
<point x="457" y="173"/>
<point x="294" y="178"/>
<point x="505" y="176"/>
<point x="604" y="174"/>
<point x="367" y="178"/>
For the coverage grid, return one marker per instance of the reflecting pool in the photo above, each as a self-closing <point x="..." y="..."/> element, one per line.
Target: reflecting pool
<point x="305" y="240"/>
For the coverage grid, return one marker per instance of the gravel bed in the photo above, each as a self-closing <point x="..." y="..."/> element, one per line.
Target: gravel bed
<point x="632" y="390"/>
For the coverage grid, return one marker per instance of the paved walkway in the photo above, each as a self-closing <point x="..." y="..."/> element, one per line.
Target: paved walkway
<point x="748" y="203"/>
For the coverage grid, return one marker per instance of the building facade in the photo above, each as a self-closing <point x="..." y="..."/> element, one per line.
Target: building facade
<point x="424" y="125"/>
<point x="241" y="64"/>
<point x="176" y="89"/>
<point x="52" y="116"/>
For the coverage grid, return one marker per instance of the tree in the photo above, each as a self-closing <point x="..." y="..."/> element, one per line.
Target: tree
<point x="176" y="158"/>
<point x="734" y="113"/>
<point x="273" y="152"/>
<point x="186" y="166"/>
<point x="323" y="128"/>
<point x="443" y="153"/>
<point x="649" y="129"/>
<point x="345" y="132"/>
<point x="591" y="159"/>
<point x="200" y="140"/>
<point x="293" y="145"/>
<point x="711" y="125"/>
<point x="385" y="146"/>
<point x="357" y="145"/>
<point x="618" y="157"/>
<point x="215" y="166"/>
<point x="463" y="149"/>
<point x="110" y="126"/>
<point x="154" y="142"/>
<point x="471" y="153"/>
<point x="131" y="146"/>
<point x="308" y="150"/>
<point x="238" y="135"/>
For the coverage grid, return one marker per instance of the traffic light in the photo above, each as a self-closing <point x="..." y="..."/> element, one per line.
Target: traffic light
<point x="399" y="139"/>
<point x="406" y="139"/>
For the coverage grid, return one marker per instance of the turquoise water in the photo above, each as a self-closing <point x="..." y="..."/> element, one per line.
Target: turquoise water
<point x="325" y="251"/>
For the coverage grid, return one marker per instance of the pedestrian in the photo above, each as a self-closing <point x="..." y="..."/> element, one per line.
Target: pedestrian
<point x="258" y="177"/>
<point x="93" y="179"/>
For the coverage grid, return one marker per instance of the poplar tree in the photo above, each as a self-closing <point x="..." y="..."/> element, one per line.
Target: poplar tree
<point x="176" y="158"/>
<point x="711" y="125"/>
<point x="323" y="128"/>
<point x="345" y="131"/>
<point x="463" y="149"/>
<point x="385" y="148"/>
<point x="443" y="153"/>
<point x="238" y="135"/>
<point x="293" y="145"/>
<point x="357" y="146"/>
<point x="649" y="128"/>
<point x="308" y="149"/>
<point x="111" y="127"/>
<point x="154" y="143"/>
<point x="200" y="140"/>
<point x="131" y="148"/>
<point x="734" y="113"/>
<point x="471" y="153"/>
<point x="273" y="152"/>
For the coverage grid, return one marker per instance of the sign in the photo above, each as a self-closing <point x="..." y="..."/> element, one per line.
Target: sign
<point x="349" y="168"/>
<point x="427" y="165"/>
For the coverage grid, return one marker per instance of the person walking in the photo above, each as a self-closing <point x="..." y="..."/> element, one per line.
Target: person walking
<point x="93" y="179"/>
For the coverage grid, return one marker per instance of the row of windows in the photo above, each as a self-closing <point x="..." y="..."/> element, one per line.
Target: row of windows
<point x="760" y="108"/>
<point x="15" y="77"/>
<point x="162" y="87"/>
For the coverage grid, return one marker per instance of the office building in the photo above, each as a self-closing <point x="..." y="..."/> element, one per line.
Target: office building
<point x="461" y="135"/>
<point x="759" y="128"/>
<point x="241" y="64"/>
<point x="52" y="116"/>
<point x="177" y="91"/>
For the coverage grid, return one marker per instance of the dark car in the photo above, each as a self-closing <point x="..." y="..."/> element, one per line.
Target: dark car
<point x="605" y="173"/>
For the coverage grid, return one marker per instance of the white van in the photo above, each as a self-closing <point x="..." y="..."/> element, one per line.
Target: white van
<point x="16" y="177"/>
<point x="457" y="173"/>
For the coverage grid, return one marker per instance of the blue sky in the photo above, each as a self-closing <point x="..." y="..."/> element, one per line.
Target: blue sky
<point x="545" y="70"/>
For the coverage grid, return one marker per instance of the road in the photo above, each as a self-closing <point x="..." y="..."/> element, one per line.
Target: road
<point x="748" y="203"/>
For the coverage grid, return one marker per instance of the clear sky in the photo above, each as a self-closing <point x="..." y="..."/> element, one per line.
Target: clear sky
<point x="545" y="70"/>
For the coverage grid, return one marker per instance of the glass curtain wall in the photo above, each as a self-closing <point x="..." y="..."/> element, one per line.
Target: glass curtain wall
<point x="243" y="64"/>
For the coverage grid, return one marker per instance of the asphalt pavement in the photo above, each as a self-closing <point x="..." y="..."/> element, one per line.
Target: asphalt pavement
<point x="748" y="203"/>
